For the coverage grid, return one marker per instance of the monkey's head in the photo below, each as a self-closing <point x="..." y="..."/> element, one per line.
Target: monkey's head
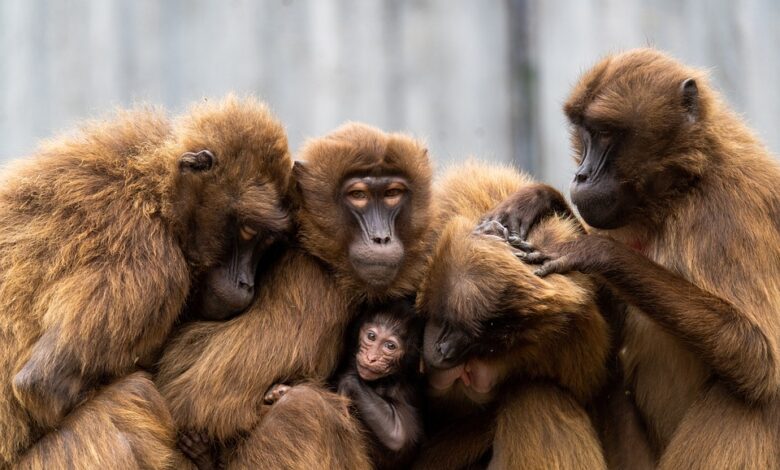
<point x="636" y="124"/>
<point x="481" y="301"/>
<point x="227" y="198"/>
<point x="465" y="296"/>
<point x="388" y="341"/>
<point x="364" y="199"/>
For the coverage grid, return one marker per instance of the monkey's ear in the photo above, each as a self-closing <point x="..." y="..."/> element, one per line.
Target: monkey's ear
<point x="299" y="169"/>
<point x="690" y="98"/>
<point x="294" y="190"/>
<point x="196" y="162"/>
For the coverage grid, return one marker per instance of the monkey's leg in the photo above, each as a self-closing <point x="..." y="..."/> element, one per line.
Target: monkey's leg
<point x="626" y="444"/>
<point x="720" y="431"/>
<point x="542" y="426"/>
<point x="308" y="427"/>
<point x="125" y="425"/>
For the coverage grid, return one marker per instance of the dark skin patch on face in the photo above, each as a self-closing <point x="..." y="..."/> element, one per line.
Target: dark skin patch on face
<point x="374" y="203"/>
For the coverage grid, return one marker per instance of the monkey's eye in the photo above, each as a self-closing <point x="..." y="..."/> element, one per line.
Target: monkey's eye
<point x="358" y="198"/>
<point x="391" y="346"/>
<point x="604" y="134"/>
<point x="246" y="232"/>
<point x="393" y="194"/>
<point x="371" y="336"/>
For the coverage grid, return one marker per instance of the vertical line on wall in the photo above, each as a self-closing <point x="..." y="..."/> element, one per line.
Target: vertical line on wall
<point x="524" y="87"/>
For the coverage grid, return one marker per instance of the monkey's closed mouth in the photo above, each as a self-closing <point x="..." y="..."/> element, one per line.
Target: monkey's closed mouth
<point x="380" y="264"/>
<point x="369" y="369"/>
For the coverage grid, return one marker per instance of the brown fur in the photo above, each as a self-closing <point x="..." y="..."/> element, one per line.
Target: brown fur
<point x="101" y="235"/>
<point x="309" y="427"/>
<point x="214" y="375"/>
<point x="362" y="149"/>
<point x="701" y="341"/>
<point x="563" y="341"/>
<point x="126" y="425"/>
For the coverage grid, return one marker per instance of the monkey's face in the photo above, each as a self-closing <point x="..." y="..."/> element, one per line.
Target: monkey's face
<point x="374" y="203"/>
<point x="633" y="117"/>
<point x="380" y="351"/>
<point x="233" y="226"/>
<point x="234" y="170"/>
<point x="602" y="197"/>
<point x="363" y="207"/>
<point x="445" y="346"/>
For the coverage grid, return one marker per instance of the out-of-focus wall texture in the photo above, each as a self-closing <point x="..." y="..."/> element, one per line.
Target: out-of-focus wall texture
<point x="472" y="77"/>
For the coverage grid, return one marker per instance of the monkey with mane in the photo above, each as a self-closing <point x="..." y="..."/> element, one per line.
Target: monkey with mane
<point x="684" y="214"/>
<point x="105" y="236"/>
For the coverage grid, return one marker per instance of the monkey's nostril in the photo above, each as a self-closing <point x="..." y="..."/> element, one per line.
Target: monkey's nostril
<point x="445" y="349"/>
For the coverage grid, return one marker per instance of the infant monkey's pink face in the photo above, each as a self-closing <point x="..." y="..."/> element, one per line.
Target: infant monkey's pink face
<point x="379" y="353"/>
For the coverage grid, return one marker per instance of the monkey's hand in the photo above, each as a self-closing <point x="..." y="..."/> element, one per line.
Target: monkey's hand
<point x="347" y="385"/>
<point x="275" y="393"/>
<point x="587" y="254"/>
<point x="521" y="211"/>
<point x="198" y="447"/>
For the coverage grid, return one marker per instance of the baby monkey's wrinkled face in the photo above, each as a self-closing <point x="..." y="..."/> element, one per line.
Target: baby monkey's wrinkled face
<point x="379" y="352"/>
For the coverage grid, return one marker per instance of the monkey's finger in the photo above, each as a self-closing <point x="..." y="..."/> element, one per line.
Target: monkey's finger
<point x="536" y="257"/>
<point x="514" y="228"/>
<point x="482" y="227"/>
<point x="525" y="227"/>
<point x="555" y="266"/>
<point x="520" y="244"/>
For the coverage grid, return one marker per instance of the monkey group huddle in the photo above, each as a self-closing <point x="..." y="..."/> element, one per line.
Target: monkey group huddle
<point x="178" y="293"/>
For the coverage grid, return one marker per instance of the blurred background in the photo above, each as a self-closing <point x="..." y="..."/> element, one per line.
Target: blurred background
<point x="472" y="77"/>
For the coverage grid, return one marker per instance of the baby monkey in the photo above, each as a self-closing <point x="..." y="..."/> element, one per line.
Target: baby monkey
<point x="381" y="376"/>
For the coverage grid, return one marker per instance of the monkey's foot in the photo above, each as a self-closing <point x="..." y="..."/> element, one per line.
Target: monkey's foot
<point x="275" y="393"/>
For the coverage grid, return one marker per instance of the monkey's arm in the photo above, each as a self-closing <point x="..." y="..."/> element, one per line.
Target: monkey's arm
<point x="738" y="348"/>
<point x="102" y="321"/>
<point x="214" y="375"/>
<point x="392" y="420"/>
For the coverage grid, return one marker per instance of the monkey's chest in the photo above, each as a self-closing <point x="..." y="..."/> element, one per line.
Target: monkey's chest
<point x="664" y="376"/>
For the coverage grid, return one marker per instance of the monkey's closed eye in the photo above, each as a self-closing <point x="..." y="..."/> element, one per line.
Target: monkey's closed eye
<point x="247" y="233"/>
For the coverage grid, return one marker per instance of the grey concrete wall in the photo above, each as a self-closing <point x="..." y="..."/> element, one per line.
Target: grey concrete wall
<point x="472" y="77"/>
